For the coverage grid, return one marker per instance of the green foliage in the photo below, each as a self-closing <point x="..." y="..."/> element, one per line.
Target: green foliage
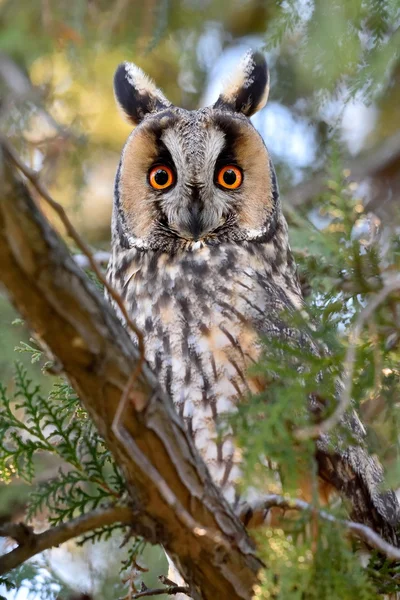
<point x="53" y="428"/>
<point x="347" y="265"/>
<point x="40" y="431"/>
<point x="302" y="566"/>
<point x="56" y="424"/>
<point x="9" y="585"/>
<point x="284" y="406"/>
<point x="338" y="29"/>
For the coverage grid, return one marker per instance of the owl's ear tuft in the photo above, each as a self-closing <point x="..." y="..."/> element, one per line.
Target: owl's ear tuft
<point x="247" y="90"/>
<point x="136" y="94"/>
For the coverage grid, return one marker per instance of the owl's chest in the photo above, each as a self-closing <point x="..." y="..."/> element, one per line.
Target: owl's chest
<point x="199" y="315"/>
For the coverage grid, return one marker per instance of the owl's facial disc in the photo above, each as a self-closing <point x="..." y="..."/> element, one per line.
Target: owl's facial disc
<point x="195" y="176"/>
<point x="202" y="196"/>
<point x="202" y="175"/>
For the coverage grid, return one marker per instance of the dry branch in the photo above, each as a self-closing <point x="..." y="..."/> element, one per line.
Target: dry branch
<point x="172" y="590"/>
<point x="380" y="166"/>
<point x="362" y="532"/>
<point x="30" y="543"/>
<point x="211" y="547"/>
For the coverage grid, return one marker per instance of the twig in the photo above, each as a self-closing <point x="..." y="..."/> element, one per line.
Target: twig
<point x="31" y="543"/>
<point x="361" y="531"/>
<point x="33" y="177"/>
<point x="172" y="590"/>
<point x="373" y="164"/>
<point x="315" y="431"/>
<point x="20" y="89"/>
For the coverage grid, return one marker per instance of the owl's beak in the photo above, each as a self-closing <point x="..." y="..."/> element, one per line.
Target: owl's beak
<point x="195" y="222"/>
<point x="198" y="223"/>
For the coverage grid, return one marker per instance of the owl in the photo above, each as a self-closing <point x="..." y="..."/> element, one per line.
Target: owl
<point x="201" y="259"/>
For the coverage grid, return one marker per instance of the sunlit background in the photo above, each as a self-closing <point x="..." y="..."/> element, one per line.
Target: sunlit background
<point x="335" y="79"/>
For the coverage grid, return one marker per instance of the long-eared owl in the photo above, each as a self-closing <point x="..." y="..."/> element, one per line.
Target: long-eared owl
<point x="201" y="258"/>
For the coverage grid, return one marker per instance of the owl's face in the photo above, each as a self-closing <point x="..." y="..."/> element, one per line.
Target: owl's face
<point x="188" y="178"/>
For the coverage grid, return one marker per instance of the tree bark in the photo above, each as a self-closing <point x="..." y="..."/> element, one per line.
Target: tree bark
<point x="174" y="500"/>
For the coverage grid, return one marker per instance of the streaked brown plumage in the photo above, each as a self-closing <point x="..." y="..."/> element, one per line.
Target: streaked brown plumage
<point x="205" y="269"/>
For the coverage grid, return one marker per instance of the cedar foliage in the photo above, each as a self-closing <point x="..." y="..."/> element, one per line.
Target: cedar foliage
<point x="344" y="270"/>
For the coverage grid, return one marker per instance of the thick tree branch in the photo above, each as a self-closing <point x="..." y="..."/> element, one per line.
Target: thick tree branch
<point x="33" y="177"/>
<point x="30" y="543"/>
<point x="175" y="501"/>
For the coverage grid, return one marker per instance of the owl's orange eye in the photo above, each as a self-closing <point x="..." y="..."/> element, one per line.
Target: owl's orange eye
<point x="161" y="177"/>
<point x="230" y="177"/>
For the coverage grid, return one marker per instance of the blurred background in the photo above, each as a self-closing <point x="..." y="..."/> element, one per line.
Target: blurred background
<point x="335" y="81"/>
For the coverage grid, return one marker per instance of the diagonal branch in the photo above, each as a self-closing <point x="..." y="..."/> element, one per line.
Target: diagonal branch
<point x="210" y="548"/>
<point x="381" y="164"/>
<point x="33" y="177"/>
<point x="258" y="510"/>
<point x="30" y="543"/>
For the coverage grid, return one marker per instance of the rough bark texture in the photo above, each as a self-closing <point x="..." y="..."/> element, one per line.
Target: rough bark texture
<point x="174" y="500"/>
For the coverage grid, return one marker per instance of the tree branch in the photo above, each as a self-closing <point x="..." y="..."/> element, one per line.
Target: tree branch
<point x="171" y="590"/>
<point x="381" y="164"/>
<point x="362" y="532"/>
<point x="33" y="177"/>
<point x="211" y="548"/>
<point x="30" y="543"/>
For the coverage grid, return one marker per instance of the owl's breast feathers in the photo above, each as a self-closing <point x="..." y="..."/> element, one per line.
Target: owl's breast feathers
<point x="202" y="312"/>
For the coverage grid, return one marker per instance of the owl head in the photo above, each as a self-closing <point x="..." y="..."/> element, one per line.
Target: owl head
<point x="189" y="178"/>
